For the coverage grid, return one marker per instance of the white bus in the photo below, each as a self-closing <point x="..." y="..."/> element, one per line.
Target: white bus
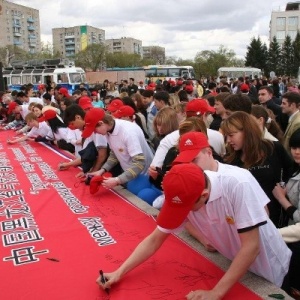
<point x="58" y="71"/>
<point x="236" y="72"/>
<point x="166" y="72"/>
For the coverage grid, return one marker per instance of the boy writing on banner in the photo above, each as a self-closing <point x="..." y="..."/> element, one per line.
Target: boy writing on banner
<point x="226" y="206"/>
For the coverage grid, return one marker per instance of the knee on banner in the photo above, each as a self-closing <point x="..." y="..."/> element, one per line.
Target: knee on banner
<point x="149" y="194"/>
<point x="137" y="184"/>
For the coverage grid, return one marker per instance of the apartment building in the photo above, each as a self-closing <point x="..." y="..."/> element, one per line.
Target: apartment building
<point x="285" y="22"/>
<point x="125" y="44"/>
<point x="71" y="40"/>
<point x="20" y="26"/>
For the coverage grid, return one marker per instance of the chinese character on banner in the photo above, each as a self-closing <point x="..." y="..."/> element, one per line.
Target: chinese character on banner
<point x="24" y="255"/>
<point x="22" y="223"/>
<point x="22" y="237"/>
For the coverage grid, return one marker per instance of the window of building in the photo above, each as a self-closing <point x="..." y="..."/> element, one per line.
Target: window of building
<point x="280" y="35"/>
<point x="280" y="21"/>
<point x="292" y="34"/>
<point x="293" y="21"/>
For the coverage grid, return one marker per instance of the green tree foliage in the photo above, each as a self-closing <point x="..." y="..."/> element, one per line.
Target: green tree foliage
<point x="123" y="60"/>
<point x="157" y="54"/>
<point x="208" y="62"/>
<point x="256" y="55"/>
<point x="274" y="55"/>
<point x="296" y="50"/>
<point x="12" y="53"/>
<point x="92" y="58"/>
<point x="287" y="56"/>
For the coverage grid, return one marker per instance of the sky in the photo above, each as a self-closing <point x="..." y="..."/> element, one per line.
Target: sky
<point x="183" y="27"/>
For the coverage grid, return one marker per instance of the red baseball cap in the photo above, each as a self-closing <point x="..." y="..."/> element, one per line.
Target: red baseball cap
<point x="189" y="88"/>
<point x="11" y="106"/>
<point x="244" y="88"/>
<point x="94" y="93"/>
<point x="190" y="144"/>
<point x="92" y="117"/>
<point x="124" y="111"/>
<point x="183" y="186"/>
<point x="114" y="105"/>
<point x="64" y="92"/>
<point x="41" y="86"/>
<point x="198" y="107"/>
<point x="85" y="102"/>
<point x="48" y="115"/>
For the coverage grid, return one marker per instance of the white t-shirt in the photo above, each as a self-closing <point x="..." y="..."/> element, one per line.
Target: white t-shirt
<point x="237" y="202"/>
<point x="42" y="130"/>
<point x="126" y="141"/>
<point x="62" y="133"/>
<point x="215" y="140"/>
<point x="24" y="111"/>
<point x="36" y="100"/>
<point x="99" y="140"/>
<point x="72" y="137"/>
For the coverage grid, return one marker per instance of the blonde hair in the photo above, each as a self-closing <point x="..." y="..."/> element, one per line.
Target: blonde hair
<point x="192" y="124"/>
<point x="123" y="94"/>
<point x="167" y="119"/>
<point x="30" y="117"/>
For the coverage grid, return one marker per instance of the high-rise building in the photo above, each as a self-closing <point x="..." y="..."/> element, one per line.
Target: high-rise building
<point x="125" y="45"/>
<point x="20" y="26"/>
<point x="71" y="40"/>
<point x="286" y="22"/>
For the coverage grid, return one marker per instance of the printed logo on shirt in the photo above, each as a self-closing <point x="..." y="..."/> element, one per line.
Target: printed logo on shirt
<point x="230" y="220"/>
<point x="188" y="143"/>
<point x="176" y="200"/>
<point x="121" y="149"/>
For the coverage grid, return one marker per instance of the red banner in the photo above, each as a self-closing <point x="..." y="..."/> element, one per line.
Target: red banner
<point x="56" y="237"/>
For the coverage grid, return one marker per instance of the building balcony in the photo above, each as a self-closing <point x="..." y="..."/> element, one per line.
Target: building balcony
<point x="32" y="36"/>
<point x="68" y="54"/>
<point x="70" y="42"/>
<point x="30" y="20"/>
<point x="17" y="43"/>
<point x="17" y="34"/>
<point x="32" y="44"/>
<point x="69" y="36"/>
<point x="16" y="25"/>
<point x="31" y="28"/>
<point x="72" y="48"/>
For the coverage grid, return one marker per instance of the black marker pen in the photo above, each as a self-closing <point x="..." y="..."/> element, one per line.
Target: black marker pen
<point x="103" y="280"/>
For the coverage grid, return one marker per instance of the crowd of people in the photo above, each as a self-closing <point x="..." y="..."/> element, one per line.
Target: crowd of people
<point x="220" y="159"/>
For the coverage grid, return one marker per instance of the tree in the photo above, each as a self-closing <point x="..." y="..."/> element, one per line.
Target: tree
<point x="256" y="55"/>
<point x="171" y="60"/>
<point x="123" y="60"/>
<point x="12" y="53"/>
<point x="92" y="58"/>
<point x="296" y="50"/>
<point x="274" y="55"/>
<point x="287" y="56"/>
<point x="208" y="62"/>
<point x="157" y="54"/>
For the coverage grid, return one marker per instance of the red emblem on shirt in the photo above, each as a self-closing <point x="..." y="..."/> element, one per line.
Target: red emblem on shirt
<point x="230" y="220"/>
